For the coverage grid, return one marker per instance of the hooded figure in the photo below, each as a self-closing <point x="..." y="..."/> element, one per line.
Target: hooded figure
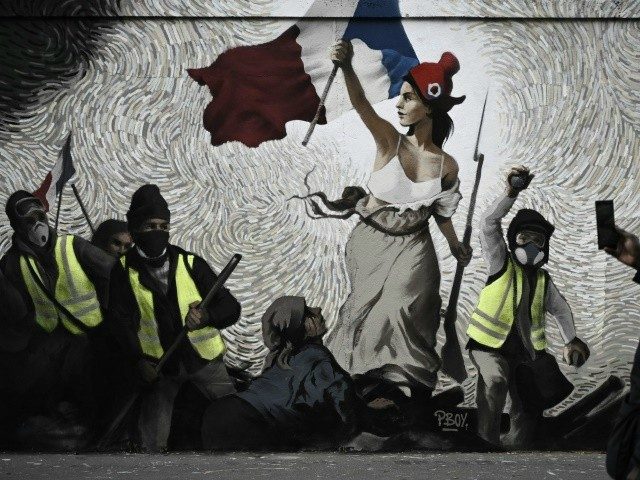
<point x="528" y="238"/>
<point x="148" y="203"/>
<point x="158" y="295"/>
<point x="113" y="237"/>
<point x="28" y="219"/>
<point x="507" y="328"/>
<point x="283" y="329"/>
<point x="302" y="397"/>
<point x="58" y="288"/>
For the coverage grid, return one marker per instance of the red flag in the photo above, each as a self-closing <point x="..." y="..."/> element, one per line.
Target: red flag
<point x="257" y="90"/>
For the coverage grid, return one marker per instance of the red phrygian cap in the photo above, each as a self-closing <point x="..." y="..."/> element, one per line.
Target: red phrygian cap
<point x="434" y="82"/>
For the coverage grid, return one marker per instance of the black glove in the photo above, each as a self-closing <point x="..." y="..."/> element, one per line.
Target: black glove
<point x="146" y="371"/>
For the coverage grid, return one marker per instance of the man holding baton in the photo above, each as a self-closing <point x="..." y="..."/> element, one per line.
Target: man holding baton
<point x="155" y="298"/>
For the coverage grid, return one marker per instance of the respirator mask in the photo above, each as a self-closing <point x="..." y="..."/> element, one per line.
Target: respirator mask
<point x="33" y="221"/>
<point x="529" y="251"/>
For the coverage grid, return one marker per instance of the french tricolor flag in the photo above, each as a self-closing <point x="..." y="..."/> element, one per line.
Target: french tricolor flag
<point x="258" y="89"/>
<point x="55" y="180"/>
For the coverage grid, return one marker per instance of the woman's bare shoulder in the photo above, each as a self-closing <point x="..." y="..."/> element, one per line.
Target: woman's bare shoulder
<point x="449" y="166"/>
<point x="450" y="171"/>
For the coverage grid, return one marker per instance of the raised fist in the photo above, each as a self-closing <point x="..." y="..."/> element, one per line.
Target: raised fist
<point x="518" y="179"/>
<point x="342" y="53"/>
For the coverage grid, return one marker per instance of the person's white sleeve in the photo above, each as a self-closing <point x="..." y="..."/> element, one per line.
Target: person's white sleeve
<point x="561" y="311"/>
<point x="494" y="248"/>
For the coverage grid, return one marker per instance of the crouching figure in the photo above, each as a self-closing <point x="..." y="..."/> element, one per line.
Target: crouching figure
<point x="302" y="398"/>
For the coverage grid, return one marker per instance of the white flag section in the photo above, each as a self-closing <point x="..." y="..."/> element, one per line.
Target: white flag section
<point x="382" y="51"/>
<point x="257" y="90"/>
<point x="430" y="40"/>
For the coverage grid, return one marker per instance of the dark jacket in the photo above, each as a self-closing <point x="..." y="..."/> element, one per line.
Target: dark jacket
<point x="18" y="325"/>
<point x="124" y="313"/>
<point x="314" y="396"/>
<point x="623" y="449"/>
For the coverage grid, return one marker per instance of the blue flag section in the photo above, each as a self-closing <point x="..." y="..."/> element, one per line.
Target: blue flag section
<point x="378" y="24"/>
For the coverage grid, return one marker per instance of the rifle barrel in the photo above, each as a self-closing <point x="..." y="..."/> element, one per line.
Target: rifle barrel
<point x="484" y="105"/>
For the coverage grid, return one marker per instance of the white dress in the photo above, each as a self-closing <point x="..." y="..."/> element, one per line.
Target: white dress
<point x="387" y="326"/>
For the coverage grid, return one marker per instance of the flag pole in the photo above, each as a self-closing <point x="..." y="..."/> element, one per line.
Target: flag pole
<point x="313" y="123"/>
<point x="59" y="205"/>
<point x="84" y="211"/>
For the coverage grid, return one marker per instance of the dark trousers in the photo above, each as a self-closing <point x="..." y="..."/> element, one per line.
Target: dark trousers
<point x="496" y="380"/>
<point x="233" y="424"/>
<point x="157" y="403"/>
<point x="51" y="378"/>
<point x="228" y="423"/>
<point x="54" y="367"/>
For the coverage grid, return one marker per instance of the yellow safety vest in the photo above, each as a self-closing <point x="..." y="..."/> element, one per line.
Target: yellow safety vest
<point x="206" y="341"/>
<point x="492" y="319"/>
<point x="73" y="290"/>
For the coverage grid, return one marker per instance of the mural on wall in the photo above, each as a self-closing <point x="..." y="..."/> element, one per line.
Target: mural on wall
<point x="448" y="177"/>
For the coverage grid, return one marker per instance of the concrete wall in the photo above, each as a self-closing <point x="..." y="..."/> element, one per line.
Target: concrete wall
<point x="563" y="80"/>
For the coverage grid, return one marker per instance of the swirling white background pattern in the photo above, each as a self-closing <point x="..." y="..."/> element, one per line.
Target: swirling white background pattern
<point x="564" y="100"/>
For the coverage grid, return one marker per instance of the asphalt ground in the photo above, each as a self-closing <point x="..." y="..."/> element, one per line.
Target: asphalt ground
<point x="305" y="466"/>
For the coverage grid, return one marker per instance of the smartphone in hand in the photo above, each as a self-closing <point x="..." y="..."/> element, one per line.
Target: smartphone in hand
<point x="607" y="234"/>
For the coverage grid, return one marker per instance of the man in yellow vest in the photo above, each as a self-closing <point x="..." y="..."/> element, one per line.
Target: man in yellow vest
<point x="62" y="283"/>
<point x="507" y="328"/>
<point x="156" y="298"/>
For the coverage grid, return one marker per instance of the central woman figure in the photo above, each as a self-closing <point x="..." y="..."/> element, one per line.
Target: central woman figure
<point x="386" y="333"/>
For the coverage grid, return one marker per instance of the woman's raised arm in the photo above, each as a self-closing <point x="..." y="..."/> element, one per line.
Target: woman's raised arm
<point x="385" y="135"/>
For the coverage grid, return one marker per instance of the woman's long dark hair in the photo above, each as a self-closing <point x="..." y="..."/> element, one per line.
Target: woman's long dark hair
<point x="442" y="126"/>
<point x="347" y="206"/>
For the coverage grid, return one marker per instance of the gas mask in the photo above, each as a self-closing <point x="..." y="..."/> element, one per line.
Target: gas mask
<point x="33" y="221"/>
<point x="530" y="248"/>
<point x="38" y="234"/>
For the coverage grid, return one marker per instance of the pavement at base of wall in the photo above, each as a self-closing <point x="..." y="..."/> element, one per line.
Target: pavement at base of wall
<point x="290" y="466"/>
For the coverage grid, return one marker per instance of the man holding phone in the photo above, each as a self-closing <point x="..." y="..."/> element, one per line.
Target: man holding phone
<point x="627" y="251"/>
<point x="623" y="451"/>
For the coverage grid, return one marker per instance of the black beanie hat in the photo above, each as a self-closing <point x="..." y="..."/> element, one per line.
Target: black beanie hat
<point x="147" y="202"/>
<point x="527" y="219"/>
<point x="10" y="207"/>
